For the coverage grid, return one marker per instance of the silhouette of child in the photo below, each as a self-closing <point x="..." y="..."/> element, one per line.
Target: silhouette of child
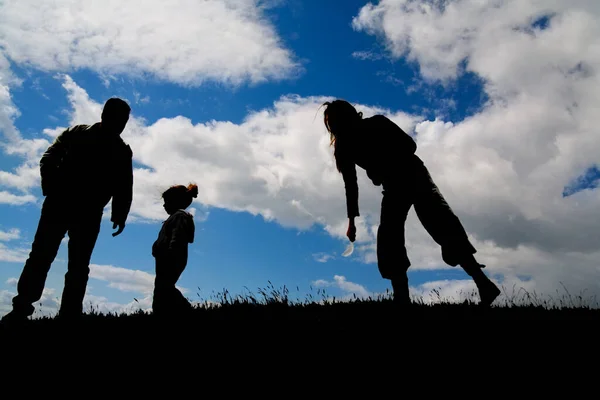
<point x="170" y="250"/>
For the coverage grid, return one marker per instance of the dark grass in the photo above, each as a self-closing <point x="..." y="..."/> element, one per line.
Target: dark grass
<point x="276" y="329"/>
<point x="270" y="308"/>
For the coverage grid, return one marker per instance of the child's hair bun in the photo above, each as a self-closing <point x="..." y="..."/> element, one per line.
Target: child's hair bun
<point x="192" y="190"/>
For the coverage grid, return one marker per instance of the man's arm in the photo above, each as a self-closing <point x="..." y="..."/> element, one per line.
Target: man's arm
<point x="123" y="191"/>
<point x="51" y="160"/>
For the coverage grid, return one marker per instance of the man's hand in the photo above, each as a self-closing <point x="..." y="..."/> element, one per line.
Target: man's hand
<point x="351" y="232"/>
<point x="121" y="227"/>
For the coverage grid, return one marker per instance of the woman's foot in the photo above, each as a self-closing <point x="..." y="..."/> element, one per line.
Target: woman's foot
<point x="488" y="291"/>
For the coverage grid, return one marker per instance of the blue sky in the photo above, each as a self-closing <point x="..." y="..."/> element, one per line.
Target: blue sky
<point x="474" y="113"/>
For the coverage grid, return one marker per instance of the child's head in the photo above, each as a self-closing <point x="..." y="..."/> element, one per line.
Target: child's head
<point x="179" y="197"/>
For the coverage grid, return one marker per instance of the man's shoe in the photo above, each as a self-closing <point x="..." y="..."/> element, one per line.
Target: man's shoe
<point x="14" y="318"/>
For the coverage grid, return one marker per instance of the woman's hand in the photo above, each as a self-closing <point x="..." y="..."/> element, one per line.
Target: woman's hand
<point x="351" y="232"/>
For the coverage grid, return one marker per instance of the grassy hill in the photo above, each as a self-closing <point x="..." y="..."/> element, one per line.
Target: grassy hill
<point x="272" y="310"/>
<point x="268" y="337"/>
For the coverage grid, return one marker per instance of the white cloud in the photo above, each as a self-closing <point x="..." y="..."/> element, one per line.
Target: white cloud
<point x="348" y="288"/>
<point x="15" y="199"/>
<point x="140" y="99"/>
<point x="25" y="177"/>
<point x="12" y="254"/>
<point x="366" y="55"/>
<point x="323" y="257"/>
<point x="439" y="37"/>
<point x="504" y="169"/>
<point x="12" y="282"/>
<point x="179" y="41"/>
<point x="124" y="279"/>
<point x="12" y="234"/>
<point x="8" y="111"/>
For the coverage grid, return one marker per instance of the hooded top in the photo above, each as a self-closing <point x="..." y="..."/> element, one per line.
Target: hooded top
<point x="380" y="147"/>
<point x="176" y="232"/>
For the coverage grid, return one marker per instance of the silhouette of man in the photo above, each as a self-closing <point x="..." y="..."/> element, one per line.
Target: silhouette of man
<point x="81" y="171"/>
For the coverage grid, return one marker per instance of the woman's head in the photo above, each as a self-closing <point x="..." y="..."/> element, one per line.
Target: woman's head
<point x="179" y="197"/>
<point x="339" y="117"/>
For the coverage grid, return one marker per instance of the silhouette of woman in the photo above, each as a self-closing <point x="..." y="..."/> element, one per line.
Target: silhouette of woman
<point x="170" y="250"/>
<point x="387" y="154"/>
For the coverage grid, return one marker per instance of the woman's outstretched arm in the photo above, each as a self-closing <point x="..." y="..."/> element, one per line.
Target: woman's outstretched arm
<point x="348" y="170"/>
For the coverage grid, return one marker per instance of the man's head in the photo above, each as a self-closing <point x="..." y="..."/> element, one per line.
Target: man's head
<point x="115" y="115"/>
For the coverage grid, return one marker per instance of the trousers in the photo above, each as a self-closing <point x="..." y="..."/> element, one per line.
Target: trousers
<point x="415" y="187"/>
<point x="60" y="216"/>
<point x="167" y="299"/>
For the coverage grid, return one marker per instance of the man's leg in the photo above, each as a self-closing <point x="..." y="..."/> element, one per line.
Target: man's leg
<point x="392" y="257"/>
<point x="445" y="228"/>
<point x="51" y="230"/>
<point x="83" y="233"/>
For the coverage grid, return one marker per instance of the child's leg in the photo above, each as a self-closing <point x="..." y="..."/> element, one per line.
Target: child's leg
<point x="163" y="286"/>
<point x="179" y="302"/>
<point x="167" y="298"/>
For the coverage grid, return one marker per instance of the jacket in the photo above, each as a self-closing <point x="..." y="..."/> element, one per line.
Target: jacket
<point x="88" y="166"/>
<point x="377" y="145"/>
<point x="173" y="238"/>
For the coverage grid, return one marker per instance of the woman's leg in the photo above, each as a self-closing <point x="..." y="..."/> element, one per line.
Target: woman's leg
<point x="488" y="291"/>
<point x="392" y="258"/>
<point x="438" y="218"/>
<point x="446" y="229"/>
